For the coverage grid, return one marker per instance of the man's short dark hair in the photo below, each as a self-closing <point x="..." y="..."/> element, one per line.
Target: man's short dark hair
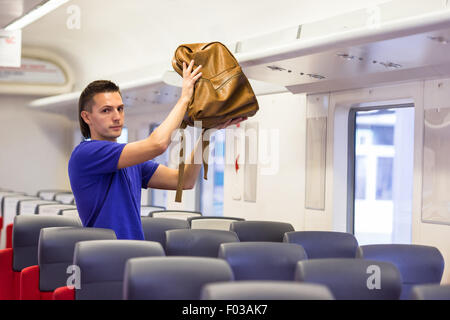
<point x="87" y="98"/>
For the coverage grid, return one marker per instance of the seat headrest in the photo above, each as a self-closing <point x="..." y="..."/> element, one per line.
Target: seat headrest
<point x="430" y="292"/>
<point x="102" y="263"/>
<point x="210" y="222"/>
<point x="262" y="260"/>
<point x="352" y="279"/>
<point x="324" y="244"/>
<point x="155" y="228"/>
<point x="172" y="278"/>
<point x="197" y="242"/>
<point x="265" y="290"/>
<point x="416" y="263"/>
<point x="56" y="248"/>
<point x="26" y="233"/>
<point x="272" y="231"/>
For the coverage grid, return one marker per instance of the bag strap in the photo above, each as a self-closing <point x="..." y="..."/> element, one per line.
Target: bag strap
<point x="181" y="166"/>
<point x="205" y="145"/>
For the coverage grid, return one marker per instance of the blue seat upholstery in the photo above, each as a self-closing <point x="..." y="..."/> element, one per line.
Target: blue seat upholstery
<point x="55" y="252"/>
<point x="430" y="292"/>
<point x="26" y="234"/>
<point x="265" y="290"/>
<point x="102" y="265"/>
<point x="197" y="242"/>
<point x="155" y="228"/>
<point x="324" y="244"/>
<point x="352" y="279"/>
<point x="417" y="264"/>
<point x="272" y="231"/>
<point x="262" y="260"/>
<point x="172" y="278"/>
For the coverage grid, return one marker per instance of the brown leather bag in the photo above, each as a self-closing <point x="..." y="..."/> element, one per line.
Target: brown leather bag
<point x="222" y="93"/>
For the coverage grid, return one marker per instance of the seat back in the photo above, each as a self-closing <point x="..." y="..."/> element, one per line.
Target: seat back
<point x="50" y="193"/>
<point x="55" y="252"/>
<point x="65" y="197"/>
<point x="197" y="242"/>
<point x="324" y="244"/>
<point x="262" y="260"/>
<point x="145" y="210"/>
<point x="174" y="214"/>
<point x="430" y="292"/>
<point x="102" y="265"/>
<point x="52" y="209"/>
<point x="265" y="290"/>
<point x="209" y="222"/>
<point x="417" y="264"/>
<point x="28" y="207"/>
<point x="69" y="213"/>
<point x="352" y="279"/>
<point x="271" y="231"/>
<point x="155" y="228"/>
<point x="26" y="234"/>
<point x="172" y="278"/>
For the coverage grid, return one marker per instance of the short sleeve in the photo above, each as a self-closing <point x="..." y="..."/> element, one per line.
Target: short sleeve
<point x="148" y="168"/>
<point x="98" y="157"/>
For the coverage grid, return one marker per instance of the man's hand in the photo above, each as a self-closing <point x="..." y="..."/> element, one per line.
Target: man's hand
<point x="230" y="123"/>
<point x="189" y="79"/>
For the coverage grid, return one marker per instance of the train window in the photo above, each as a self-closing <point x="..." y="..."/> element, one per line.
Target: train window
<point x="211" y="190"/>
<point x="383" y="170"/>
<point x="123" y="136"/>
<point x="158" y="197"/>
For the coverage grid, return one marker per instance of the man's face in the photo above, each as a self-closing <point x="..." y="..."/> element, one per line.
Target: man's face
<point x="107" y="116"/>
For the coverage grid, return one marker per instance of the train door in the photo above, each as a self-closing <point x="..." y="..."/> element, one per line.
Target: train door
<point x="381" y="153"/>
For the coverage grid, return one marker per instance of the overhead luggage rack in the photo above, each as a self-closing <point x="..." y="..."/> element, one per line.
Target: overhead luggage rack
<point x="383" y="44"/>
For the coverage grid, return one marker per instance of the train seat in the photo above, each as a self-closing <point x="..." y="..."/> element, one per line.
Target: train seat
<point x="430" y="292"/>
<point x="210" y="222"/>
<point x="265" y="290"/>
<point x="197" y="242"/>
<point x="155" y="228"/>
<point x="172" y="278"/>
<point x="324" y="244"/>
<point x="352" y="279"/>
<point x="145" y="210"/>
<point x="174" y="214"/>
<point x="55" y="255"/>
<point x="24" y="251"/>
<point x="272" y="231"/>
<point x="262" y="260"/>
<point x="417" y="264"/>
<point x="102" y="265"/>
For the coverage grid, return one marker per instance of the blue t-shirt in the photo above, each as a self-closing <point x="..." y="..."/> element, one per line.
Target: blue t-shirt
<point x="105" y="196"/>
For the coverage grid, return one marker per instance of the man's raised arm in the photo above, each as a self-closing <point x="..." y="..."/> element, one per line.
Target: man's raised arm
<point x="155" y="144"/>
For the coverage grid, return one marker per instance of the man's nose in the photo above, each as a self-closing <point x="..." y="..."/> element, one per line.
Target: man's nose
<point x="116" y="115"/>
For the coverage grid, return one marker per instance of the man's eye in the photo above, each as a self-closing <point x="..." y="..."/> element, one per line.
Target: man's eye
<point x="105" y="110"/>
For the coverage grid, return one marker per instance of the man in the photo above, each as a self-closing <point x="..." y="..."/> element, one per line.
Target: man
<point x="107" y="177"/>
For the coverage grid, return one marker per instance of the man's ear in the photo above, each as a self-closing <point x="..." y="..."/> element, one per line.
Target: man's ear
<point x="85" y="116"/>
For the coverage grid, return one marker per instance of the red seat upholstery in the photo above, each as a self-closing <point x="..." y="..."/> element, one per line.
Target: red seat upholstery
<point x="24" y="250"/>
<point x="56" y="247"/>
<point x="64" y="293"/>
<point x="9" y="230"/>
